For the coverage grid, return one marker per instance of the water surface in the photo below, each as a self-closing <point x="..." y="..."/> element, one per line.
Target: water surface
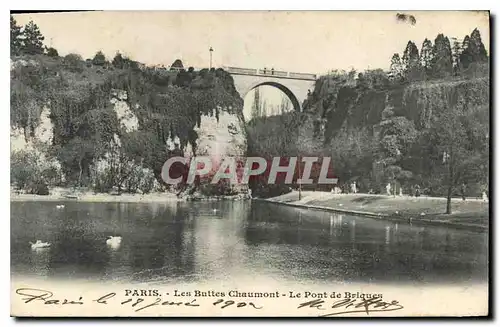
<point x="192" y="242"/>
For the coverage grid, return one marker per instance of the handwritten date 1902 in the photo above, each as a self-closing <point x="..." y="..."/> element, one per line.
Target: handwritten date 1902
<point x="141" y="304"/>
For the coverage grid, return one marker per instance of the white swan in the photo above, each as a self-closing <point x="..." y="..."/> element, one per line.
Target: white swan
<point x="114" y="241"/>
<point x="39" y="245"/>
<point x="60" y="206"/>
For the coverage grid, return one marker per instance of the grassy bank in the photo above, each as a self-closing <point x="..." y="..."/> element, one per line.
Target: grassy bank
<point x="471" y="212"/>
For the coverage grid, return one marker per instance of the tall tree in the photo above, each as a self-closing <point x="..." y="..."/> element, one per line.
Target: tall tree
<point x="427" y="55"/>
<point x="411" y="61"/>
<point x="256" y="106"/>
<point x="466" y="55"/>
<point x="477" y="47"/>
<point x="33" y="39"/>
<point x="397" y="134"/>
<point x="15" y="37"/>
<point x="456" y="51"/>
<point x="285" y="105"/>
<point x="442" y="63"/>
<point x="473" y="49"/>
<point x="396" y="68"/>
<point x="410" y="56"/>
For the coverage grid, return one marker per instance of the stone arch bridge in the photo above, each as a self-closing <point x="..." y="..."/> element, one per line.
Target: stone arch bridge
<point x="294" y="85"/>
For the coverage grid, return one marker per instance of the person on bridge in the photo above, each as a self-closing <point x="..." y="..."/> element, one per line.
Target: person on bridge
<point x="272" y="71"/>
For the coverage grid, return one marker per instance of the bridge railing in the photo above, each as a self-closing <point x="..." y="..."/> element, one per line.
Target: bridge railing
<point x="237" y="70"/>
<point x="250" y="71"/>
<point x="303" y="75"/>
<point x="270" y="72"/>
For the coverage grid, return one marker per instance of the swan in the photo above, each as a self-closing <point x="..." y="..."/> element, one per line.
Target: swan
<point x="39" y="245"/>
<point x="60" y="206"/>
<point x="114" y="241"/>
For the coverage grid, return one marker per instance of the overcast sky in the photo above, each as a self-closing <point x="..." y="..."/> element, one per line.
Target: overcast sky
<point x="313" y="41"/>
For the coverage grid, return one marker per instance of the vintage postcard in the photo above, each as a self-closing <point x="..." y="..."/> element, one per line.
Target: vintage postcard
<point x="250" y="164"/>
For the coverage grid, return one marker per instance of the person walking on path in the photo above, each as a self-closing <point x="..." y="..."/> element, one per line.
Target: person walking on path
<point x="463" y="189"/>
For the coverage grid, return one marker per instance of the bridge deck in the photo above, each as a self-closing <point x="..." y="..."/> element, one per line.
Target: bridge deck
<point x="270" y="73"/>
<point x="255" y="72"/>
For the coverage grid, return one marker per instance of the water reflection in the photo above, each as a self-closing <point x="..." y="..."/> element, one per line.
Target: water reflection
<point x="228" y="240"/>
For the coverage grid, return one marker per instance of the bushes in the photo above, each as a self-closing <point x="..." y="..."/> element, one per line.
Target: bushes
<point x="29" y="172"/>
<point x="99" y="59"/>
<point x="73" y="62"/>
<point x="52" y="52"/>
<point x="127" y="176"/>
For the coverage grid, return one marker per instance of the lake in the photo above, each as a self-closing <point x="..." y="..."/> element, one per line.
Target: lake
<point x="207" y="241"/>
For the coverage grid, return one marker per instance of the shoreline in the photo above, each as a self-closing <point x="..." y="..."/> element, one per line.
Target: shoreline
<point x="99" y="197"/>
<point x="322" y="201"/>
<point x="61" y="195"/>
<point x="405" y="217"/>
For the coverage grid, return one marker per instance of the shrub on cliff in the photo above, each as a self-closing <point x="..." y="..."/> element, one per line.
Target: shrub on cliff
<point x="99" y="59"/>
<point x="52" y="52"/>
<point x="73" y="62"/>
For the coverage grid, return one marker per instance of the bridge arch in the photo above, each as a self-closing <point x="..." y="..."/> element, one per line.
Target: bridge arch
<point x="295" y="85"/>
<point x="295" y="102"/>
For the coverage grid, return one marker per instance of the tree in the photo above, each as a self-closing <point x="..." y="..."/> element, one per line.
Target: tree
<point x="118" y="61"/>
<point x="99" y="59"/>
<point x="33" y="39"/>
<point x="177" y="65"/>
<point x="52" y="52"/>
<point x="442" y="63"/>
<point x="410" y="56"/>
<point x="396" y="136"/>
<point x="473" y="50"/>
<point x="73" y="62"/>
<point x="466" y="55"/>
<point x="396" y="68"/>
<point x="427" y="56"/>
<point x="256" y="106"/>
<point x="456" y="51"/>
<point x="461" y="134"/>
<point x="478" y="50"/>
<point x="285" y="105"/>
<point x="15" y="37"/>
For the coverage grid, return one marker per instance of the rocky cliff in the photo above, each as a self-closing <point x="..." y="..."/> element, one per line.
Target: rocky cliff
<point x="115" y="129"/>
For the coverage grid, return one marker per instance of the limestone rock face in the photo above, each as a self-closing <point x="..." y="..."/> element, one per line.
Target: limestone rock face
<point x="225" y="137"/>
<point x="140" y="177"/>
<point x="126" y="117"/>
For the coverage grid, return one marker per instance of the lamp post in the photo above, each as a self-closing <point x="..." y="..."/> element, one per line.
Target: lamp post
<point x="211" y="50"/>
<point x="300" y="178"/>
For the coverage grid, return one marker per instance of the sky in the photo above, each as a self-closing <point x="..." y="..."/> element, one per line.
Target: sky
<point x="301" y="41"/>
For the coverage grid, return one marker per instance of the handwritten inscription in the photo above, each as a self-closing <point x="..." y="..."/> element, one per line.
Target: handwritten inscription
<point x="136" y="303"/>
<point x="346" y="306"/>
<point x="33" y="294"/>
<point x="325" y="304"/>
